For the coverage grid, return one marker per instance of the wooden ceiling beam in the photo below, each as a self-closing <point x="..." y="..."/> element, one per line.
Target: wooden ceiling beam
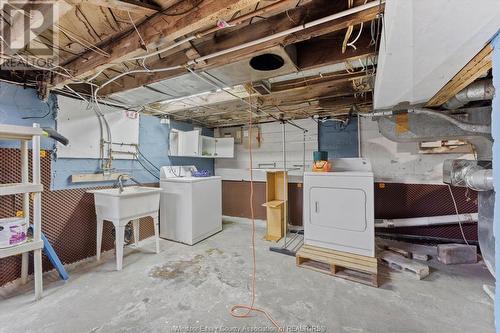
<point x="156" y="31"/>
<point x="327" y="50"/>
<point x="140" y="6"/>
<point x="477" y="66"/>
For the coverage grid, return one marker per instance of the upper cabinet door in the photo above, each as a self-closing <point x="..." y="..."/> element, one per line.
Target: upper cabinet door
<point x="224" y="147"/>
<point x="189" y="143"/>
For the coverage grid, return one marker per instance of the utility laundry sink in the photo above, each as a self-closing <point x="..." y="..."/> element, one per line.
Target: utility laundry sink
<point x="120" y="206"/>
<point x="132" y="202"/>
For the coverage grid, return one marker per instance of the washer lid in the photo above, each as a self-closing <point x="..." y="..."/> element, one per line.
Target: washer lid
<point x="189" y="179"/>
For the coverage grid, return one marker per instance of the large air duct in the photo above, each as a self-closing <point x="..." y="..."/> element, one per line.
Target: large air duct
<point x="429" y="125"/>
<point x="477" y="91"/>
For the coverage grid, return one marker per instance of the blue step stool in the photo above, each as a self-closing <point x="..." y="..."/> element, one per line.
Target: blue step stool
<point x="53" y="258"/>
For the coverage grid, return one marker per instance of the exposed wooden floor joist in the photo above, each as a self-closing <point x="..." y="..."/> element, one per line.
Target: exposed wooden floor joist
<point x="478" y="66"/>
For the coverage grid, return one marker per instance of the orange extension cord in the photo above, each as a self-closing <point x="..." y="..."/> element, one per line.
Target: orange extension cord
<point x="252" y="307"/>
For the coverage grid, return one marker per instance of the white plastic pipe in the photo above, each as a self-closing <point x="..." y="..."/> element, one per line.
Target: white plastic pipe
<point x="426" y="221"/>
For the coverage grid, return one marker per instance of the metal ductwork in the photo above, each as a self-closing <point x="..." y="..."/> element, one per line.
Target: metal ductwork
<point x="429" y="125"/>
<point x="477" y="91"/>
<point x="477" y="175"/>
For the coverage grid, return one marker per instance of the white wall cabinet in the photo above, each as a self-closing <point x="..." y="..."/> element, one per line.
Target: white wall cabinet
<point x="193" y="144"/>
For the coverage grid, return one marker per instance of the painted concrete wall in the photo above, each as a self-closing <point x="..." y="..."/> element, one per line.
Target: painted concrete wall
<point x="337" y="140"/>
<point x="270" y="151"/>
<point x="394" y="162"/>
<point x="17" y="103"/>
<point x="495" y="131"/>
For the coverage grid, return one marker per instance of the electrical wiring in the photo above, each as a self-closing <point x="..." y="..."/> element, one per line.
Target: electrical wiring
<point x="18" y="83"/>
<point x="40" y="117"/>
<point x="146" y="169"/>
<point x="351" y="44"/>
<point x="51" y="69"/>
<point x="458" y="215"/>
<point x="137" y="31"/>
<point x="240" y="98"/>
<point x="146" y="159"/>
<point x="88" y="45"/>
<point x="251" y="308"/>
<point x="349" y="29"/>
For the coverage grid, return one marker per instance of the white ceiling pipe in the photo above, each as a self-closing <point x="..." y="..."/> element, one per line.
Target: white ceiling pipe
<point x="426" y="221"/>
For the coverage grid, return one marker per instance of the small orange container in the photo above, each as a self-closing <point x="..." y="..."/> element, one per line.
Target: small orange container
<point x="322" y="166"/>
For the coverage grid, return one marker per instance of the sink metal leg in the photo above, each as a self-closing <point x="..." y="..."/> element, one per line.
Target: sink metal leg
<point x="136" y="232"/>
<point x="157" y="233"/>
<point x="119" y="242"/>
<point x="100" y="225"/>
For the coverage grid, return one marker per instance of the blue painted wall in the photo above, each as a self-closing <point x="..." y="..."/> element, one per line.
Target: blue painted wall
<point x="337" y="140"/>
<point x="17" y="103"/>
<point x="495" y="131"/>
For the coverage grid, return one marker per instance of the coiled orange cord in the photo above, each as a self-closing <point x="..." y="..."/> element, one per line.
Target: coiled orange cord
<point x="251" y="308"/>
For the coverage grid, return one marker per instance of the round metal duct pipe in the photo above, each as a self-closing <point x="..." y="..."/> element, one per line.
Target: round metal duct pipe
<point x="477" y="91"/>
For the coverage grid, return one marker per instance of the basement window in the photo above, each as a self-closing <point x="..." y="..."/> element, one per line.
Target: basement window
<point x="267" y="62"/>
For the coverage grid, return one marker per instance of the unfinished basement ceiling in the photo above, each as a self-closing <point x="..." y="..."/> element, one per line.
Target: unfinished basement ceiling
<point x="229" y="75"/>
<point x="426" y="42"/>
<point x="304" y="52"/>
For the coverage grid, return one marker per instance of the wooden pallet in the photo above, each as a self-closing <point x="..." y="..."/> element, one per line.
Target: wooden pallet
<point x="348" y="266"/>
<point x="400" y="263"/>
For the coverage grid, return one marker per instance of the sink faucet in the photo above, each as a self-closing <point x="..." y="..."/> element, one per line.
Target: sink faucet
<point x="120" y="180"/>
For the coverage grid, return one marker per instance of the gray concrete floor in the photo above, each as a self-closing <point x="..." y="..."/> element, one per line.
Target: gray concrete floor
<point x="196" y="286"/>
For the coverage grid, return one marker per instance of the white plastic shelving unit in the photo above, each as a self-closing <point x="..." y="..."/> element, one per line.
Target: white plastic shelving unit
<point x="35" y="244"/>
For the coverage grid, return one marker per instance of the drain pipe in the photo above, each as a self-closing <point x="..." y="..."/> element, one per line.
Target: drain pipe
<point x="426" y="221"/>
<point x="477" y="91"/>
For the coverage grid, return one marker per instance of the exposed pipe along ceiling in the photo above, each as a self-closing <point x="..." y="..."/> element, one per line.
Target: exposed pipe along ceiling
<point x="349" y="134"/>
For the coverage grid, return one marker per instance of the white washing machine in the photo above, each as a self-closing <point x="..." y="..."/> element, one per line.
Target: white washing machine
<point x="339" y="208"/>
<point x="190" y="207"/>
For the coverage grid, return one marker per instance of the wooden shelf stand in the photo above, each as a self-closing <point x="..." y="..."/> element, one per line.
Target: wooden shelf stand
<point x="276" y="204"/>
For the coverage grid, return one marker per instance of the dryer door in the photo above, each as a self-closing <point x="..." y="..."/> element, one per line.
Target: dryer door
<point x="340" y="214"/>
<point x="338" y="208"/>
